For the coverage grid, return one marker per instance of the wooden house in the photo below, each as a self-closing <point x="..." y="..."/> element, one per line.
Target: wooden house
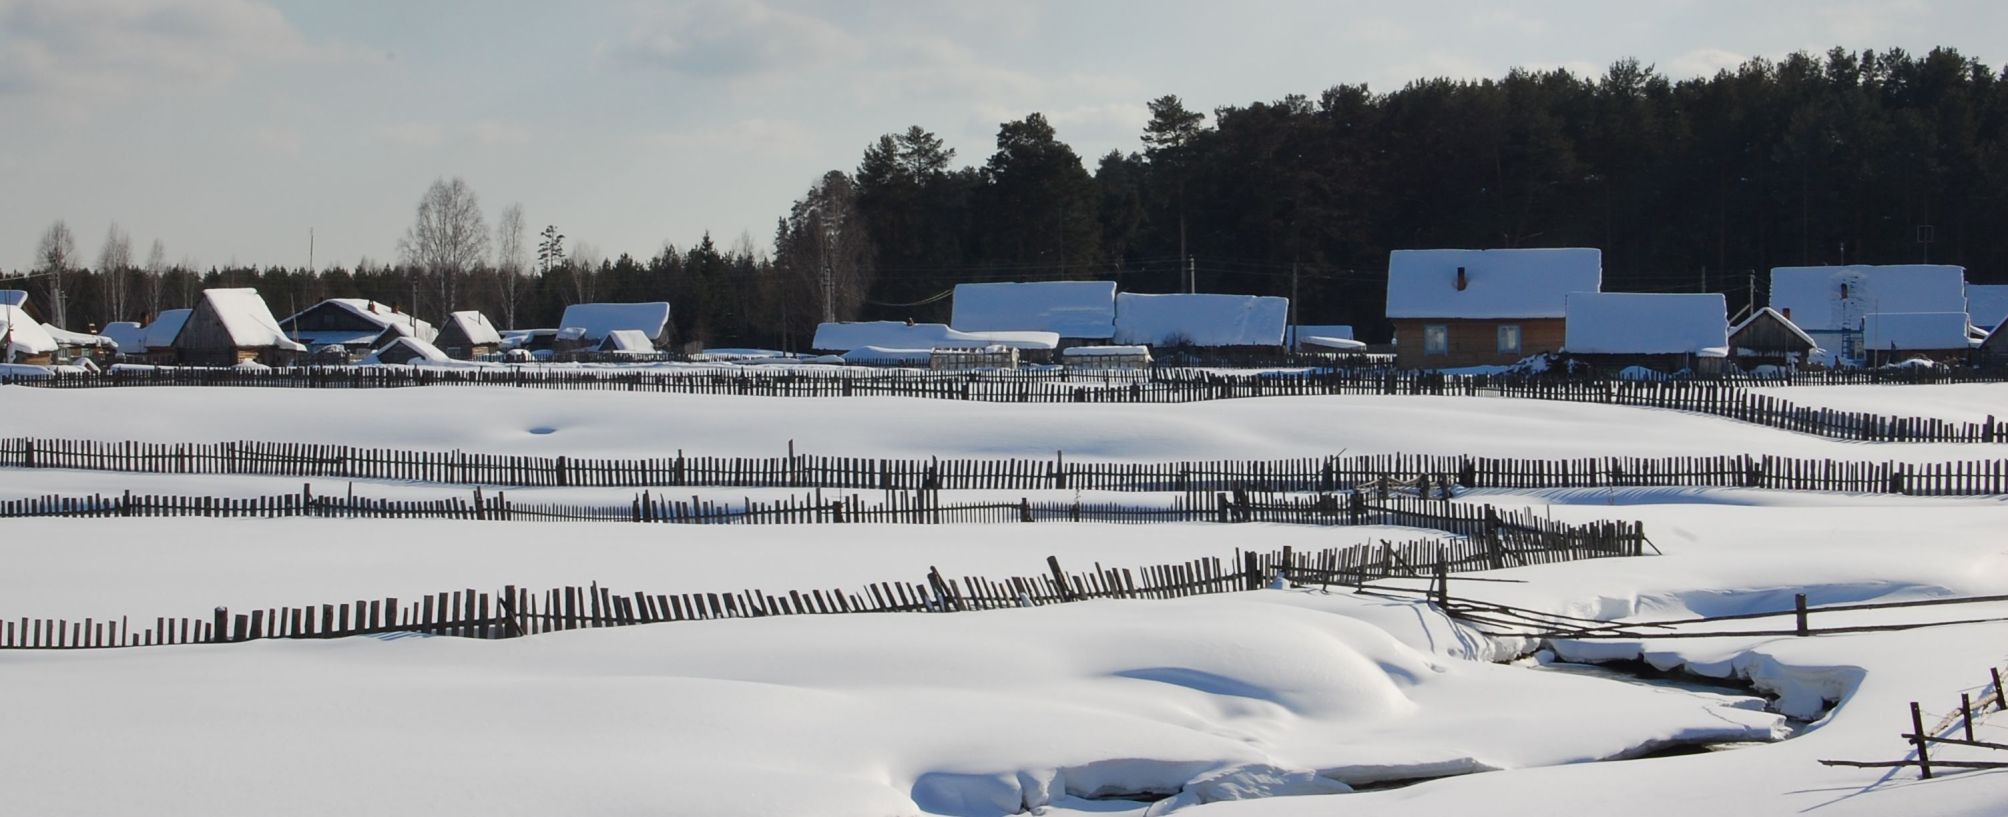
<point x="355" y="325"/>
<point x="584" y="326"/>
<point x="130" y="337"/>
<point x="1202" y="320"/>
<point x="1831" y="303"/>
<point x="23" y="339"/>
<point x="1770" y="338"/>
<point x="158" y="341"/>
<point x="1457" y="308"/>
<point x="468" y="335"/>
<point x="1663" y="332"/>
<point x="1993" y="352"/>
<point x="405" y="350"/>
<point x="232" y="326"/>
<point x="1894" y="337"/>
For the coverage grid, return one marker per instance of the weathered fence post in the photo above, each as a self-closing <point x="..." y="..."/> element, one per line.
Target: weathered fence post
<point x="1060" y="578"/>
<point x="1799" y="615"/>
<point x="1024" y="509"/>
<point x="1917" y="738"/>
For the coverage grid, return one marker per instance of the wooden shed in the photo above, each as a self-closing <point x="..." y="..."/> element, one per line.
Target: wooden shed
<point x="1769" y="338"/>
<point x="232" y="326"/>
<point x="468" y="335"/>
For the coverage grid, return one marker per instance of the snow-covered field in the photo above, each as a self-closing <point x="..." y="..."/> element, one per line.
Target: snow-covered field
<point x="1053" y="709"/>
<point x="1958" y="402"/>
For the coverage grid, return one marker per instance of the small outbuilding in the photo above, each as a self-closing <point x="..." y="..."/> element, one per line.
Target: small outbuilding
<point x="1664" y="332"/>
<point x="468" y="335"/>
<point x="232" y="326"/>
<point x="158" y="342"/>
<point x="1993" y="352"/>
<point x="404" y="351"/>
<point x="973" y="360"/>
<point x="1770" y="338"/>
<point x="584" y="326"/>
<point x="627" y="343"/>
<point x="1103" y="358"/>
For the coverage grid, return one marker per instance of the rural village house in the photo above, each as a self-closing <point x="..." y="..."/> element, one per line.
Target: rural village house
<point x="232" y="326"/>
<point x="157" y="343"/>
<point x="1664" y="332"/>
<point x="1201" y="319"/>
<point x="1769" y="338"/>
<point x="1077" y="311"/>
<point x="1893" y="337"/>
<point x="1831" y="302"/>
<point x="406" y="350"/>
<point x="1455" y="308"/>
<point x="351" y="325"/>
<point x="468" y="335"/>
<point x="584" y="327"/>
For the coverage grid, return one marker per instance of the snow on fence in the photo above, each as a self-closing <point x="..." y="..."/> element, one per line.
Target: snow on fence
<point x="1730" y="400"/>
<point x="515" y="612"/>
<point x="1978" y="477"/>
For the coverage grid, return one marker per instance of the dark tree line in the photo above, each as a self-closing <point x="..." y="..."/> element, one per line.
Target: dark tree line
<point x="1698" y="184"/>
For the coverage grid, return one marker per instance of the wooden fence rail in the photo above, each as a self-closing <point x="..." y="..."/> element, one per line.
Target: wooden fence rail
<point x="514" y="611"/>
<point x="1729" y="399"/>
<point x="1977" y="477"/>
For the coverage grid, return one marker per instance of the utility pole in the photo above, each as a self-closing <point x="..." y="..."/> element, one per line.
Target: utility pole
<point x="1191" y="275"/>
<point x="1293" y="294"/>
<point x="310" y="249"/>
<point x="829" y="295"/>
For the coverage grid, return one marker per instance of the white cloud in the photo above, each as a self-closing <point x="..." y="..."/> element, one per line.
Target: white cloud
<point x="756" y="136"/>
<point x="78" y="52"/>
<point x="736" y="38"/>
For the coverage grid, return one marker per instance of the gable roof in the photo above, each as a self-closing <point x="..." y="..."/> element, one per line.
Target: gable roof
<point x="1902" y="331"/>
<point x="1645" y="323"/>
<point x="379" y="314"/>
<point x="1770" y="315"/>
<point x="844" y="337"/>
<point x="626" y="340"/>
<point x="416" y="350"/>
<point x="165" y="328"/>
<point x="599" y="319"/>
<point x="473" y="327"/>
<point x="1070" y="309"/>
<point x="1814" y="294"/>
<point x="130" y="336"/>
<point x="1201" y="319"/>
<point x="1987" y="304"/>
<point x="1519" y="283"/>
<point x="246" y="319"/>
<point x="24" y="335"/>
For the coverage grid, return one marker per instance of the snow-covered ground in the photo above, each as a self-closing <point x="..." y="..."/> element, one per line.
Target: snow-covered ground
<point x="1209" y="698"/>
<point x="619" y="424"/>
<point x="1958" y="402"/>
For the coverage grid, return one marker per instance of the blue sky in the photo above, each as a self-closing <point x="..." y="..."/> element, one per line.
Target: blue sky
<point x="229" y="128"/>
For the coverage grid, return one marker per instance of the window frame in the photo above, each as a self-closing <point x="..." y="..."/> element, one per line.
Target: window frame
<point x="1519" y="338"/>
<point x="1439" y="332"/>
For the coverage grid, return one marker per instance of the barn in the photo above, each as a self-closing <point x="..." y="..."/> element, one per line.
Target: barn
<point x="1077" y="311"/>
<point x="1456" y="308"/>
<point x="1768" y="338"/>
<point x="1831" y="302"/>
<point x="468" y="335"/>
<point x="232" y="326"/>
<point x="351" y="325"/>
<point x="1665" y="332"/>
<point x="1201" y="320"/>
<point x="584" y="326"/>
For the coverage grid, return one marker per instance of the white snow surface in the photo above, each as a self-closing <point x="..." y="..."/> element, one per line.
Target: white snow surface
<point x="599" y="319"/>
<point x="1070" y="309"/>
<point x="475" y="326"/>
<point x="1813" y="294"/>
<point x="1513" y="283"/>
<point x="1957" y="402"/>
<point x="1882" y="331"/>
<point x="25" y="335"/>
<point x="1201" y="319"/>
<point x="1633" y="323"/>
<point x="620" y="424"/>
<point x="845" y="337"/>
<point x="247" y="320"/>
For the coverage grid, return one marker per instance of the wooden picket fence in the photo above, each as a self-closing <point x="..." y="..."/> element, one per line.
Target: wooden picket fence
<point x="514" y="612"/>
<point x="1979" y="477"/>
<point x="1729" y="399"/>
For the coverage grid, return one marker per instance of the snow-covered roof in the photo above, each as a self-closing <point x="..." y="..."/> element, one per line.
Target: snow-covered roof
<point x="1645" y="323"/>
<point x="130" y="336"/>
<point x="340" y="337"/>
<point x="1524" y="283"/>
<point x="626" y="340"/>
<point x="1341" y="331"/>
<point x="65" y="337"/>
<point x="1814" y="296"/>
<point x="422" y="350"/>
<point x="165" y="327"/>
<point x="1070" y="309"/>
<point x="1882" y="331"/>
<point x="247" y="320"/>
<point x="1106" y="351"/>
<point x="380" y="314"/>
<point x="13" y="297"/>
<point x="1782" y="321"/>
<point x="1987" y="304"/>
<point x="843" y="337"/>
<point x="599" y="319"/>
<point x="1201" y="319"/>
<point x="475" y="326"/>
<point x="881" y="354"/>
<point x="24" y="335"/>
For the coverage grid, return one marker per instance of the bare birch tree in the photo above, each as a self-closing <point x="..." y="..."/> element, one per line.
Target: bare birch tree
<point x="114" y="271"/>
<point x="824" y="254"/>
<point x="448" y="239"/>
<point x="585" y="269"/>
<point x="156" y="277"/>
<point x="512" y="260"/>
<point x="55" y="254"/>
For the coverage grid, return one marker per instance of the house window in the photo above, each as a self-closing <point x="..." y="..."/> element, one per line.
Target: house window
<point x="1435" y="339"/>
<point x="1509" y="339"/>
